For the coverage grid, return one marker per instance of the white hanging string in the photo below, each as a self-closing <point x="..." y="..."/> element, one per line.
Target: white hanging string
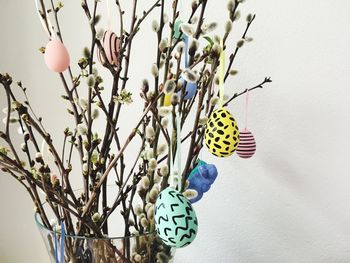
<point x="178" y="139"/>
<point x="50" y="31"/>
<point x="109" y="23"/>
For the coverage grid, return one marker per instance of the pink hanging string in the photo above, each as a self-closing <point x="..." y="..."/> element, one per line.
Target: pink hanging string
<point x="246" y="109"/>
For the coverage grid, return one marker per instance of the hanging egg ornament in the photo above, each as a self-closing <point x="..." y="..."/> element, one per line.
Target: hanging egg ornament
<point x="175" y="218"/>
<point x="222" y="133"/>
<point x="56" y="56"/>
<point x="201" y="178"/>
<point x="111" y="44"/>
<point x="167" y="100"/>
<point x="247" y="145"/>
<point x="191" y="88"/>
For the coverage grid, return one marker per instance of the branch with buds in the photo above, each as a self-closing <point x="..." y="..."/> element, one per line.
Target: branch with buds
<point x="102" y="156"/>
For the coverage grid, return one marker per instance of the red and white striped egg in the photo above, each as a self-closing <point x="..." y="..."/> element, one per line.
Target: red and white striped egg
<point x="247" y="145"/>
<point x="111" y="44"/>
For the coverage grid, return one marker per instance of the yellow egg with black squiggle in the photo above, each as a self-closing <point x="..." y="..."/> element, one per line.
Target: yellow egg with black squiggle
<point x="222" y="133"/>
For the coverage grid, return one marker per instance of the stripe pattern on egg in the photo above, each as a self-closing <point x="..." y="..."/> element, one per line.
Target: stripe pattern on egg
<point x="111" y="44"/>
<point x="247" y="145"/>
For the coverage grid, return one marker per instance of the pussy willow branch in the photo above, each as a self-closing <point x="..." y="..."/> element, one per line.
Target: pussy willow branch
<point x="233" y="55"/>
<point x="103" y="178"/>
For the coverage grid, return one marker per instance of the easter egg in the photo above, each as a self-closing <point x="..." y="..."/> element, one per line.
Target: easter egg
<point x="191" y="89"/>
<point x="56" y="56"/>
<point x="111" y="45"/>
<point x="167" y="100"/>
<point x="222" y="134"/>
<point x="247" y="145"/>
<point x="175" y="218"/>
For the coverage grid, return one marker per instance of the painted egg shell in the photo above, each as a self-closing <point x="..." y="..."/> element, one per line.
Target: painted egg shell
<point x="111" y="45"/>
<point x="247" y="145"/>
<point x="56" y="56"/>
<point x="176" y="221"/>
<point x="191" y="89"/>
<point x="167" y="100"/>
<point x="201" y="178"/>
<point x="222" y="134"/>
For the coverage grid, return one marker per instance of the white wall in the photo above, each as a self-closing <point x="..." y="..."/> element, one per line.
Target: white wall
<point x="291" y="202"/>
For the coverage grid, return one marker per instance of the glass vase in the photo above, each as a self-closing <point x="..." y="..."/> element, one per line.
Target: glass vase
<point x="145" y="248"/>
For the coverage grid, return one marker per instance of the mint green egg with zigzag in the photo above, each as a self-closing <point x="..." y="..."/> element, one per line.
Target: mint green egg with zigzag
<point x="176" y="220"/>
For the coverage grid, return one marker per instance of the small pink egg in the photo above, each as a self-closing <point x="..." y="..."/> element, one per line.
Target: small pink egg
<point x="56" y="56"/>
<point x="247" y="145"/>
<point x="111" y="44"/>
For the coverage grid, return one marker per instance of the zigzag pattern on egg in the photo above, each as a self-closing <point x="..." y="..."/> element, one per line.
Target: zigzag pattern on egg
<point x="176" y="221"/>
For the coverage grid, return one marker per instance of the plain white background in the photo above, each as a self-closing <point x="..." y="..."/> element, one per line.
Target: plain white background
<point x="288" y="204"/>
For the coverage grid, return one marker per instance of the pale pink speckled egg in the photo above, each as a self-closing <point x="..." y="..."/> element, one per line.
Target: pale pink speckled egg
<point x="56" y="56"/>
<point x="111" y="45"/>
<point x="247" y="145"/>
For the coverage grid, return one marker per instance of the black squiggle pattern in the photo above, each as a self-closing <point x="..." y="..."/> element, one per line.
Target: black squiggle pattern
<point x="176" y="219"/>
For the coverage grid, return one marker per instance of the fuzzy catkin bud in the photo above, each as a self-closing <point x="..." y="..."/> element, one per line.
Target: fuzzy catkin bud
<point x="169" y="86"/>
<point x="237" y="15"/>
<point x="163" y="44"/>
<point x="190" y="76"/>
<point x="154" y="70"/>
<point x="233" y="72"/>
<point x="231" y="5"/>
<point x="190" y="193"/>
<point x="203" y="120"/>
<point x="96" y="217"/>
<point x="164" y="111"/>
<point x="138" y="210"/>
<point x="90" y="81"/>
<point x="165" y="18"/>
<point x="145" y="182"/>
<point x="149" y="154"/>
<point x="194" y="4"/>
<point x="150" y="213"/>
<point x="155" y="26"/>
<point x="144" y="222"/>
<point x="95" y="114"/>
<point x="164" y="170"/>
<point x="148" y="206"/>
<point x="240" y="43"/>
<point x="161" y="149"/>
<point x="180" y="47"/>
<point x="228" y="26"/>
<point x="165" y="122"/>
<point x="145" y="86"/>
<point x="175" y="99"/>
<point x="153" y="164"/>
<point x="137" y="258"/>
<point x="150" y="132"/>
<point x="249" y="18"/>
<point x="193" y="47"/>
<point x="187" y="29"/>
<point x="83" y="103"/>
<point x="153" y="195"/>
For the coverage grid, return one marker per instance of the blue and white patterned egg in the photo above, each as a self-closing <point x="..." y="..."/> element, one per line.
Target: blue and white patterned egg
<point x="175" y="218"/>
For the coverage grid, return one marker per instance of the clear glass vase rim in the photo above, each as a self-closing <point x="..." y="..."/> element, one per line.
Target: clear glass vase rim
<point x="40" y="225"/>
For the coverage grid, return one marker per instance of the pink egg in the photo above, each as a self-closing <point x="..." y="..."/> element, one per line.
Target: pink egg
<point x="247" y="145"/>
<point x="56" y="56"/>
<point x="111" y="45"/>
